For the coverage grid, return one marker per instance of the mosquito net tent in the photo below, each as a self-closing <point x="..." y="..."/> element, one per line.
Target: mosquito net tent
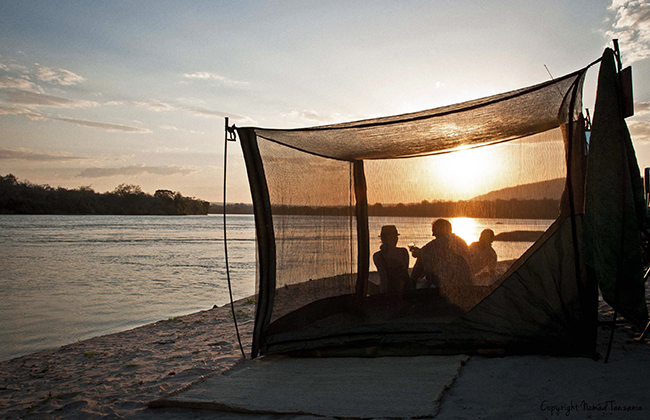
<point x="514" y="163"/>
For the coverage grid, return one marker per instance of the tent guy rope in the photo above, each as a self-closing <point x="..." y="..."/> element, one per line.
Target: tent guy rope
<point x="229" y="135"/>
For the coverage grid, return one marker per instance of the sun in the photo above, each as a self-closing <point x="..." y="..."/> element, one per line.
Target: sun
<point x="464" y="173"/>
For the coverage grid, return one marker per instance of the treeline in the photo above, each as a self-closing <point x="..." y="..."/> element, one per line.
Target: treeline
<point x="501" y="209"/>
<point x="21" y="197"/>
<point x="231" y="208"/>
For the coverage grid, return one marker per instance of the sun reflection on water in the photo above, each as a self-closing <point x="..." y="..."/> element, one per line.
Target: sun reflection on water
<point x="466" y="228"/>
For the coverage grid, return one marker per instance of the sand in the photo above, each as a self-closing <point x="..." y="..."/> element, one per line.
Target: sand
<point x="115" y="375"/>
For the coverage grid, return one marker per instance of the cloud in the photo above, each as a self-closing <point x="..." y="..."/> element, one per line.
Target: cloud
<point x="641" y="108"/>
<point x="639" y="130"/>
<point x="210" y="114"/>
<point x="631" y="26"/>
<point x="103" y="126"/>
<point x="16" y="83"/>
<point x="219" y="114"/>
<point x="157" y="106"/>
<point x="26" y="154"/>
<point x="9" y="110"/>
<point x="171" y="150"/>
<point x="5" y="110"/>
<point x="204" y="75"/>
<point x="639" y="125"/>
<point x="134" y="170"/>
<point x="154" y="106"/>
<point x="57" y="76"/>
<point x="27" y="98"/>
<point x="313" y="116"/>
<point x="169" y="127"/>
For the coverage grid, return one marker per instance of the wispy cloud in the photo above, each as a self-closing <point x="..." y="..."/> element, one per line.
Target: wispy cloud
<point x="169" y="127"/>
<point x="641" y="108"/>
<point x="10" y="110"/>
<point x="157" y="106"/>
<point x="631" y="26"/>
<point x="204" y="75"/>
<point x="639" y="130"/>
<point x="16" y="83"/>
<point x="103" y="126"/>
<point x="5" y="110"/>
<point x="171" y="149"/>
<point x="208" y="113"/>
<point x="27" y="154"/>
<point x="311" y="116"/>
<point x="28" y="98"/>
<point x="135" y="170"/>
<point x="57" y="76"/>
<point x="154" y="106"/>
<point x="639" y="125"/>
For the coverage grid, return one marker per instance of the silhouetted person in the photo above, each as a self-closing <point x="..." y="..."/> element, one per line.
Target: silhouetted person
<point x="483" y="258"/>
<point x="444" y="260"/>
<point x="392" y="262"/>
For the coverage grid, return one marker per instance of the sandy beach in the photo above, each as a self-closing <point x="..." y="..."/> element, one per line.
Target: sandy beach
<point x="114" y="376"/>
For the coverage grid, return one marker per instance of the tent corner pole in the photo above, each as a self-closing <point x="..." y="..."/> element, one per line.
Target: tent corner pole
<point x="363" y="231"/>
<point x="265" y="237"/>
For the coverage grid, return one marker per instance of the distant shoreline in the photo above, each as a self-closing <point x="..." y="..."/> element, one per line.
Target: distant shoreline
<point x="23" y="197"/>
<point x="487" y="209"/>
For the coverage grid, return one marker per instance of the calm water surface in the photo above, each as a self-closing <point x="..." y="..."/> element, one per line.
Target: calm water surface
<point x="68" y="278"/>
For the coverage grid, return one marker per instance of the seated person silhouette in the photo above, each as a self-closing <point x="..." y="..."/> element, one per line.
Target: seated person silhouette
<point x="444" y="260"/>
<point x="392" y="262"/>
<point x="483" y="258"/>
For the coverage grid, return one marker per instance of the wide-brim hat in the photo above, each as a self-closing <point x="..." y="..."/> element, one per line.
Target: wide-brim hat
<point x="388" y="230"/>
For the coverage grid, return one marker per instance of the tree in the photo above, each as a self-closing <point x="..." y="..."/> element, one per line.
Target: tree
<point x="127" y="189"/>
<point x="164" y="194"/>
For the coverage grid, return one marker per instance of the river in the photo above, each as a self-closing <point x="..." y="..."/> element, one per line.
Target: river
<point x="69" y="278"/>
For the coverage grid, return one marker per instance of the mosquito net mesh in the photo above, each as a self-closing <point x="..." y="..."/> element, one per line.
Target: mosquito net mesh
<point x="312" y="201"/>
<point x="337" y="207"/>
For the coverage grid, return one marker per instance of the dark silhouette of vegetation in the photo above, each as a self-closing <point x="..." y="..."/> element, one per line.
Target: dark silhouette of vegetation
<point x="500" y="209"/>
<point x="231" y="208"/>
<point x="23" y="197"/>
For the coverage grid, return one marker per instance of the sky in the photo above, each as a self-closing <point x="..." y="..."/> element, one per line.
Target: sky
<point x="103" y="93"/>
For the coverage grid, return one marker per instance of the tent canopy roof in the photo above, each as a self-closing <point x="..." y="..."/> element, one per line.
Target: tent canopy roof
<point x="503" y="117"/>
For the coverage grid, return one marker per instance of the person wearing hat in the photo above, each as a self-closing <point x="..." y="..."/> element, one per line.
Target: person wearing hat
<point x="392" y="262"/>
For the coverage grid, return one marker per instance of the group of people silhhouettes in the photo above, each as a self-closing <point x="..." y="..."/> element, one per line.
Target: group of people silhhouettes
<point x="443" y="261"/>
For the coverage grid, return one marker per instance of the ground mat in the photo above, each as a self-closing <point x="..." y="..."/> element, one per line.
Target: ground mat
<point x="395" y="387"/>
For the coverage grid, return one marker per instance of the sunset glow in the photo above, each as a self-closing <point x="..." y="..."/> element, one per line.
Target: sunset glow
<point x="465" y="172"/>
<point x="103" y="94"/>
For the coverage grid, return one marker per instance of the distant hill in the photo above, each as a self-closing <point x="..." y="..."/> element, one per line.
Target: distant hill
<point x="535" y="191"/>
